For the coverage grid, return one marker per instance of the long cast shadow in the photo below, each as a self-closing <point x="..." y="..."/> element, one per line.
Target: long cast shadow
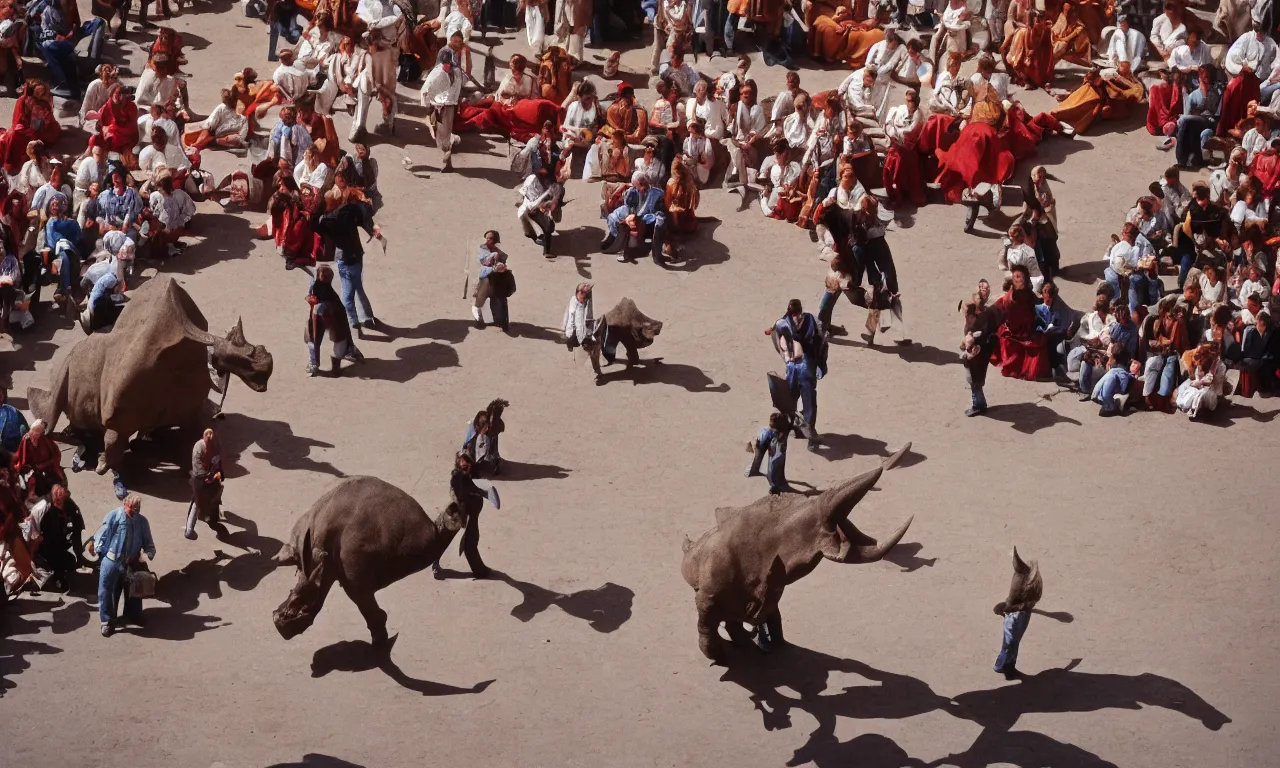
<point x="1028" y="418"/>
<point x="315" y="760"/>
<point x="796" y="679"/>
<point x="836" y="447"/>
<point x="360" y="656"/>
<point x="654" y="372"/>
<point x="605" y="608"/>
<point x="519" y="470"/>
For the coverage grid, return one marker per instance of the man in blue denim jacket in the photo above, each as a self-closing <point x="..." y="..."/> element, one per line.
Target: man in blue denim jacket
<point x="125" y="534"/>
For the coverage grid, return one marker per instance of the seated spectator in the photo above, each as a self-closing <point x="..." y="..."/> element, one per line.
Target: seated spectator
<point x="1205" y="383"/>
<point x="1057" y="322"/>
<point x="1022" y="352"/>
<point x="1259" y="354"/>
<point x="1166" y="342"/>
<point x="57" y="35"/>
<point x="1115" y="383"/>
<point x="223" y="128"/>
<point x="1123" y="332"/>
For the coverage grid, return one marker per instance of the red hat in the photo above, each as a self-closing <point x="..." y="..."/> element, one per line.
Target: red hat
<point x="623" y="88"/>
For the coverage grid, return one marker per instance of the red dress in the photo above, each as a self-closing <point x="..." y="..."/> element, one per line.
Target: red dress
<point x="1025" y="135"/>
<point x="1164" y="105"/>
<point x="979" y="155"/>
<point x="521" y="122"/>
<point x="903" y="181"/>
<point x="935" y="135"/>
<point x="117" y="127"/>
<point x="1023" y="352"/>
<point x="1242" y="89"/>
<point x="1266" y="169"/>
<point x="32" y="120"/>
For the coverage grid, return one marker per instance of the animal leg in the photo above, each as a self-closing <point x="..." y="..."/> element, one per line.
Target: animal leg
<point x="739" y="633"/>
<point x="374" y="617"/>
<point x="709" y="640"/>
<point x="113" y="447"/>
<point x="633" y="356"/>
<point x="770" y="637"/>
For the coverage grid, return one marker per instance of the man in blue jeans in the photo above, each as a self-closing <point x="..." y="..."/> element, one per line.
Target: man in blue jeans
<point x="283" y="18"/>
<point x="799" y="338"/>
<point x="1122" y="332"/>
<point x="1024" y="592"/>
<point x="125" y="534"/>
<point x="1115" y="381"/>
<point x="342" y="227"/>
<point x="58" y="38"/>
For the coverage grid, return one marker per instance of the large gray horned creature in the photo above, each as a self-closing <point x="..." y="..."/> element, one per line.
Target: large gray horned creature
<point x="625" y="324"/>
<point x="365" y="534"/>
<point x="150" y="371"/>
<point x="739" y="568"/>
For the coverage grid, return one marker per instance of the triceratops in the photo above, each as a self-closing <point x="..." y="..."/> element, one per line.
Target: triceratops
<point x="625" y="324"/>
<point x="150" y="371"/>
<point x="739" y="569"/>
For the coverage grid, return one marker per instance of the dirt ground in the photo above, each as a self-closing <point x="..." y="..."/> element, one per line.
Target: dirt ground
<point x="1154" y="647"/>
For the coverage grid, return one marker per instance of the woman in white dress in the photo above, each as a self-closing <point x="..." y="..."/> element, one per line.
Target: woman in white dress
<point x="1201" y="391"/>
<point x="713" y="113"/>
<point x="581" y="116"/>
<point x="780" y="175"/>
<point x="699" y="153"/>
<point x="517" y="84"/>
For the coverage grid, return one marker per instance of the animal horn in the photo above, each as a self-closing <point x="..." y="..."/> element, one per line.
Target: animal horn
<point x="1019" y="566"/>
<point x="840" y="501"/>
<point x="863" y="548"/>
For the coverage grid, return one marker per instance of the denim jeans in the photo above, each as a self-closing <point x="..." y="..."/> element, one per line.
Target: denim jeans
<point x="340" y="348"/>
<point x="1192" y="132"/>
<point x="976" y="376"/>
<point x="352" y="289"/>
<point x="1086" y="376"/>
<point x="291" y="32"/>
<point x="1161" y="370"/>
<point x="60" y="55"/>
<point x="1187" y="258"/>
<point x="730" y="31"/>
<point x="1267" y="90"/>
<point x="112" y="578"/>
<point x="1015" y="626"/>
<point x="1140" y="291"/>
<point x="803" y="378"/>
<point x="1113" y="382"/>
<point x="1112" y="277"/>
<point x="69" y="266"/>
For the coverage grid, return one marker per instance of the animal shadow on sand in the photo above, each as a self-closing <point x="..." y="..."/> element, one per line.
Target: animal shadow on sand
<point x="605" y="608"/>
<point x="796" y="679"/>
<point x="836" y="447"/>
<point x="360" y="656"/>
<point x="654" y="371"/>
<point x="410" y="363"/>
<point x="700" y="250"/>
<point x="519" y="470"/>
<point x="1028" y="418"/>
<point x="904" y="555"/>
<point x="314" y="760"/>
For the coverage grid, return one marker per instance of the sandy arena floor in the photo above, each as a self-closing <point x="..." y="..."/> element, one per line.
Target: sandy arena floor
<point x="1154" y="534"/>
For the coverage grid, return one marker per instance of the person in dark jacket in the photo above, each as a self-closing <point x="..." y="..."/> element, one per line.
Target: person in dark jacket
<point x="465" y="493"/>
<point x="980" y="341"/>
<point x="327" y="315"/>
<point x="341" y="227"/>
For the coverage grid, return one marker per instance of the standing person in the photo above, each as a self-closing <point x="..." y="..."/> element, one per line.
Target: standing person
<point x="772" y="440"/>
<point x="1042" y="213"/>
<point x="871" y="252"/>
<point x="480" y="443"/>
<point x="903" y="180"/>
<point x="579" y="326"/>
<point x="206" y="483"/>
<point x="539" y="198"/>
<point x="61" y="529"/>
<point x="441" y="90"/>
<point x="495" y="284"/>
<point x="382" y="18"/>
<point x="980" y="341"/>
<point x="125" y="534"/>
<point x="342" y="226"/>
<point x="327" y="314"/>
<point x="1025" y="591"/>
<point x="282" y="16"/>
<point x="466" y="494"/>
<point x="799" y="339"/>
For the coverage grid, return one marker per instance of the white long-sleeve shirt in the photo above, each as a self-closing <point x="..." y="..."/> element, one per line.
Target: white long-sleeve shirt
<point x="1128" y="46"/>
<point x="796" y="129"/>
<point x="578" y="320"/>
<point x="885" y="61"/>
<point x="948" y="95"/>
<point x="292" y="80"/>
<point x="1186" y="59"/>
<point x="1251" y="52"/>
<point x="864" y="101"/>
<point x="1165" y="33"/>
<point x="1025" y="255"/>
<point x="899" y="123"/>
<point x="712" y="112"/>
<point x="379" y="14"/>
<point x="777" y="176"/>
<point x="317" y="177"/>
<point x="748" y="121"/>
<point x="699" y="156"/>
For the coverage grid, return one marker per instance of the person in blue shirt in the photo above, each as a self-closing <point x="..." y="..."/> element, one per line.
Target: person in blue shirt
<point x="62" y="236"/>
<point x="800" y="339"/>
<point x="57" y="40"/>
<point x="644" y="209"/>
<point x="1055" y="319"/>
<point x="1120" y="374"/>
<point x="12" y="423"/>
<point x="773" y="441"/>
<point x="103" y="309"/>
<point x="1122" y="332"/>
<point x="119" y="204"/>
<point x="125" y="534"/>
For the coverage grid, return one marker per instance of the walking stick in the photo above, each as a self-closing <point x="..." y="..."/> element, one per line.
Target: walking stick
<point x="466" y="271"/>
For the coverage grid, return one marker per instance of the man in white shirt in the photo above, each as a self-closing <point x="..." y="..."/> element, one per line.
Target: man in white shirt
<point x="888" y="54"/>
<point x="1191" y="55"/>
<point x="1019" y="253"/>
<point x="748" y="126"/>
<point x="1127" y="52"/>
<point x="291" y="79"/>
<point x="1254" y="51"/>
<point x="154" y="118"/>
<point x="1167" y="30"/>
<point x="953" y="34"/>
<point x="538" y="199"/>
<point x="383" y="18"/>
<point x="441" y="90"/>
<point x="1124" y="255"/>
<point x="864" y="94"/>
<point x="948" y="96"/>
<point x="783" y="105"/>
<point x="1175" y="195"/>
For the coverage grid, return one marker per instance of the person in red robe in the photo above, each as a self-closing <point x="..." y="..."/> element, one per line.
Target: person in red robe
<point x="1023" y="352"/>
<point x="902" y="180"/>
<point x="979" y="155"/>
<point x="291" y="225"/>
<point x="1164" y="103"/>
<point x="939" y="132"/>
<point x="521" y="122"/>
<point x="1266" y="168"/>
<point x="33" y="119"/>
<point x="1243" y="88"/>
<point x="1025" y="134"/>
<point x="117" y="123"/>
